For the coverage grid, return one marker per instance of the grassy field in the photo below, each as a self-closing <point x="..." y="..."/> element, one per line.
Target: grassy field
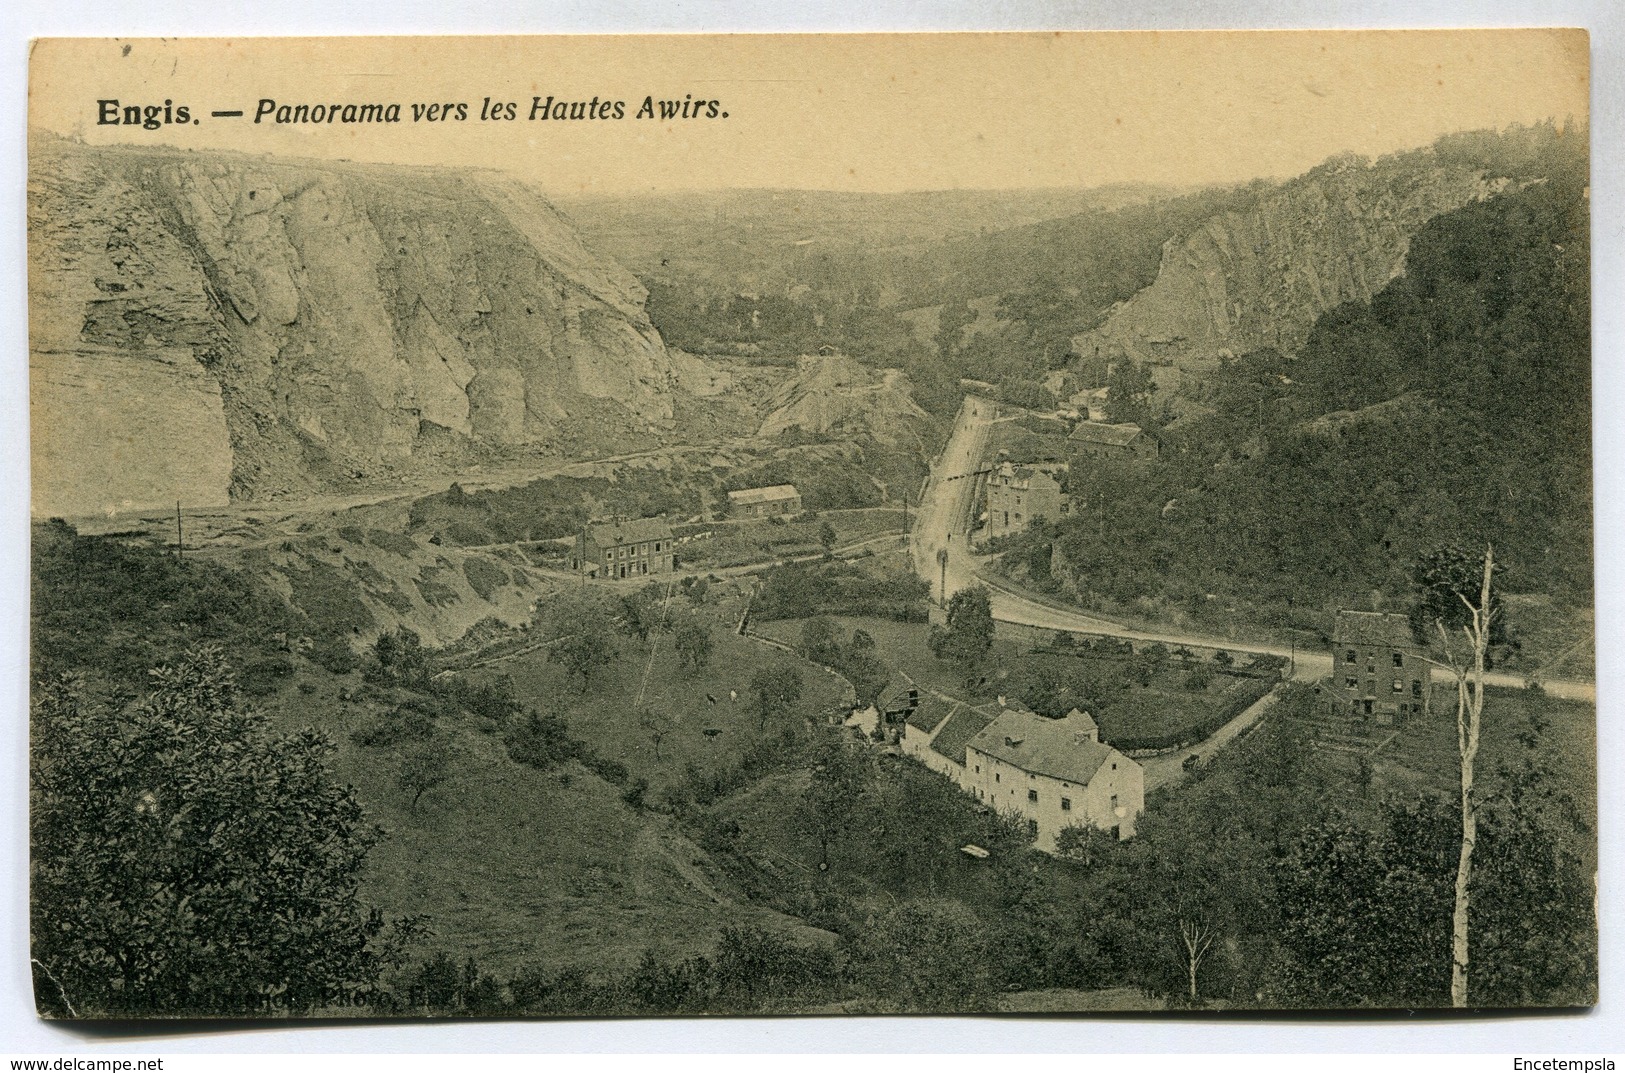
<point x="901" y="645"/>
<point x="703" y="718"/>
<point x="1555" y="641"/>
<point x="1123" y="708"/>
<point x="517" y="867"/>
<point x="1421" y="755"/>
<point x="736" y="543"/>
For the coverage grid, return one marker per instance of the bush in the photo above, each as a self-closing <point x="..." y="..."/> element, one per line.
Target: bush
<point x="399" y="543"/>
<point x="484" y="576"/>
<point x="332" y="654"/>
<point x="399" y="725"/>
<point x="802" y="590"/>
<point x="541" y="741"/>
<point x="1247" y="692"/>
<point x="262" y="677"/>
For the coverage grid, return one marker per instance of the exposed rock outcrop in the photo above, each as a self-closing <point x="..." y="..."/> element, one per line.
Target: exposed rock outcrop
<point x="207" y="325"/>
<point x="833" y="393"/>
<point x="1246" y="280"/>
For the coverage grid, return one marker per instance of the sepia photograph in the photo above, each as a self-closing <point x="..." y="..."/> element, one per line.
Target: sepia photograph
<point x="845" y="525"/>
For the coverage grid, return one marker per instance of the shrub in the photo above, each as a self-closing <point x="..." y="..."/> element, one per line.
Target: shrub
<point x="484" y="576"/>
<point x="399" y="725"/>
<point x="262" y="677"/>
<point x="332" y="654"/>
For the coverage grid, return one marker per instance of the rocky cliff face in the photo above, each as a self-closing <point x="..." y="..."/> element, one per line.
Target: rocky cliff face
<point x="1246" y="280"/>
<point x="833" y="393"/>
<point x="213" y="325"/>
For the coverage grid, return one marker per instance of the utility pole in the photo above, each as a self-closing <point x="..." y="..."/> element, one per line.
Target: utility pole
<point x="180" y="539"/>
<point x="908" y="543"/>
<point x="942" y="560"/>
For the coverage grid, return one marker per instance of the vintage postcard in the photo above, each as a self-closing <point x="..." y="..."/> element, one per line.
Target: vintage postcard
<point x="957" y="523"/>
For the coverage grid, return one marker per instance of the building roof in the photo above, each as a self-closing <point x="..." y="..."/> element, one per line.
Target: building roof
<point x="1083" y="720"/>
<point x="930" y="713"/>
<point x="633" y="531"/>
<point x="1026" y="475"/>
<point x="763" y="495"/>
<point x="1060" y="748"/>
<point x="1373" y="628"/>
<point x="1110" y="435"/>
<point x="963" y="725"/>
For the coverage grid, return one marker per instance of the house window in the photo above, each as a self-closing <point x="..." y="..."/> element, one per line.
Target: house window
<point x="657" y="546"/>
<point x="1032" y="828"/>
<point x="1032" y="795"/>
<point x="1371" y="686"/>
<point x="609" y="557"/>
<point x="1352" y="683"/>
<point x="1399" y="659"/>
<point x="1066" y="804"/>
<point x="1416" y="687"/>
<point x="1351" y="656"/>
<point x="1399" y="685"/>
<point x="1114" y="801"/>
<point x="997" y="777"/>
<point x="978" y="769"/>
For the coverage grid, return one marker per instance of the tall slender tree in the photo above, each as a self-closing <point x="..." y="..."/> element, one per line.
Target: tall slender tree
<point x="1468" y="671"/>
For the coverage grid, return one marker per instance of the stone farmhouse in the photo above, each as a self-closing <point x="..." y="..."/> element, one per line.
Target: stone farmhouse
<point x="1053" y="773"/>
<point x="624" y="549"/>
<point x="1018" y="494"/>
<point x="764" y="502"/>
<point x="1125" y="442"/>
<point x="1377" y="667"/>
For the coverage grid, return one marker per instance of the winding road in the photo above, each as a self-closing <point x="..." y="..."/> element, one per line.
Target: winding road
<point x="940" y="544"/>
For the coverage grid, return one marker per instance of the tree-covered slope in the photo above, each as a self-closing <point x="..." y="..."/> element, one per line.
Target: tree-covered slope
<point x="1454" y="408"/>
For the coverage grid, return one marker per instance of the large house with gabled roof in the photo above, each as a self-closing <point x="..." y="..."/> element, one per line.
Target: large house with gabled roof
<point x="1052" y="773"/>
<point x="623" y="549"/>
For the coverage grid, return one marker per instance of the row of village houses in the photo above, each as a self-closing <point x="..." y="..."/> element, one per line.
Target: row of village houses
<point x="1016" y="494"/>
<point x="640" y="547"/>
<point x="1053" y="773"/>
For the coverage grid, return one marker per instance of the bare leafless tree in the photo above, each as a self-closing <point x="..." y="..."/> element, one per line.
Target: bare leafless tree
<point x="1468" y="671"/>
<point x="1196" y="936"/>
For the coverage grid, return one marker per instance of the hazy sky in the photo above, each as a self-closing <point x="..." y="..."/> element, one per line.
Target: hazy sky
<point x="865" y="112"/>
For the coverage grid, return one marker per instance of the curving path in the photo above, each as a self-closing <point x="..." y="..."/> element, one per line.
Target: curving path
<point x="940" y="545"/>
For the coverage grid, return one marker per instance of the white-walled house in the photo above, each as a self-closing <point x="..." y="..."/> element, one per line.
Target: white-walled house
<point x="1053" y="773"/>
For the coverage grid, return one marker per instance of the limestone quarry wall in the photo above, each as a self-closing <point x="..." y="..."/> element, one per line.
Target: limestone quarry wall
<point x="1246" y="280"/>
<point x="212" y="325"/>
